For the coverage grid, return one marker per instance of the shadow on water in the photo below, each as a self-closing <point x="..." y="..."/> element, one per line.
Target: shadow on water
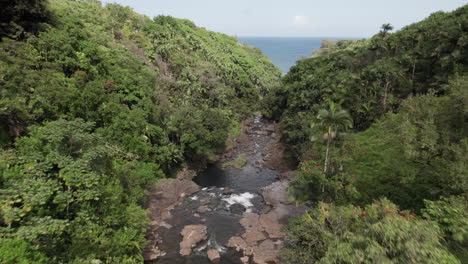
<point x="247" y="179"/>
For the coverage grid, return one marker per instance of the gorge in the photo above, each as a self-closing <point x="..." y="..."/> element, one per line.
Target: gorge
<point x="241" y="211"/>
<point x="128" y="139"/>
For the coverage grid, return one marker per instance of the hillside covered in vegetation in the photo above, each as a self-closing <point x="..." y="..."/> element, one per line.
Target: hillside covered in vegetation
<point x="379" y="128"/>
<point x="97" y="102"/>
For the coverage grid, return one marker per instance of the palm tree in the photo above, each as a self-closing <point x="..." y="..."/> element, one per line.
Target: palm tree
<point x="385" y="29"/>
<point x="333" y="120"/>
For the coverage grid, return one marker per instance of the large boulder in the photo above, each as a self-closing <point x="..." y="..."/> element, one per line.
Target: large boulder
<point x="237" y="209"/>
<point x="192" y="235"/>
<point x="165" y="195"/>
<point x="162" y="198"/>
<point x="276" y="193"/>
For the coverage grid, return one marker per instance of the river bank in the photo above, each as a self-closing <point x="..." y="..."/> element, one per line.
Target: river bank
<point x="233" y="212"/>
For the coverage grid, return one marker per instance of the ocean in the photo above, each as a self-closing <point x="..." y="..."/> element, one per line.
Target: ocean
<point x="285" y="51"/>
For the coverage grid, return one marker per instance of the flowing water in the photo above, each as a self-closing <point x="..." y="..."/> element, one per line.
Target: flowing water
<point x="251" y="177"/>
<point x="222" y="219"/>
<point x="225" y="195"/>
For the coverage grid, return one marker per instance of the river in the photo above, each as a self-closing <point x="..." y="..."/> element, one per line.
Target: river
<point x="235" y="211"/>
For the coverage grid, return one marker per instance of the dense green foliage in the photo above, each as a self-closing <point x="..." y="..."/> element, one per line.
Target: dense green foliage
<point x="377" y="233"/>
<point x="451" y="215"/>
<point x="329" y="46"/>
<point x="407" y="94"/>
<point x="136" y="78"/>
<point x="373" y="77"/>
<point x="69" y="193"/>
<point x="418" y="153"/>
<point x="20" y="18"/>
<point x="98" y="104"/>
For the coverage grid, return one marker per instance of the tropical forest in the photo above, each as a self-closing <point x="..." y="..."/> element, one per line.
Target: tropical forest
<point x="129" y="139"/>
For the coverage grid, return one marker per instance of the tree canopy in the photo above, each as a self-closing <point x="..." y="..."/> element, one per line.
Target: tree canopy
<point x="97" y="102"/>
<point x="406" y="93"/>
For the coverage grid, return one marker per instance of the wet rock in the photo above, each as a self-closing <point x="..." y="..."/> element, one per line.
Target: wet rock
<point x="228" y="191"/>
<point x="153" y="253"/>
<point x="213" y="255"/>
<point x="203" y="209"/>
<point x="237" y="209"/>
<point x="205" y="201"/>
<point x="192" y="235"/>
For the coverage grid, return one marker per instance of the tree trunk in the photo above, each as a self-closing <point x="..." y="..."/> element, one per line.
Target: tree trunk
<point x="326" y="156"/>
<point x="384" y="101"/>
<point x="412" y="76"/>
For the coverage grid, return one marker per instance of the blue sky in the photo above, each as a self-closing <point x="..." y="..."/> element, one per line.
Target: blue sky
<point x="307" y="18"/>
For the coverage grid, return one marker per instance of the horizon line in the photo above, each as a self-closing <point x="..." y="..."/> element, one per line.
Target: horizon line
<point x="264" y="36"/>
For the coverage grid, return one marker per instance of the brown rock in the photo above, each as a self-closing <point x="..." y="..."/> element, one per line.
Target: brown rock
<point x="165" y="195"/>
<point x="252" y="236"/>
<point x="162" y="198"/>
<point x="213" y="255"/>
<point x="271" y="222"/>
<point x="249" y="219"/>
<point x="238" y="243"/>
<point x="192" y="234"/>
<point x="266" y="252"/>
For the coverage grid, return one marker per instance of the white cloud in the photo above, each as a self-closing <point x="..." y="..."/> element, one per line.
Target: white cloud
<point x="300" y="20"/>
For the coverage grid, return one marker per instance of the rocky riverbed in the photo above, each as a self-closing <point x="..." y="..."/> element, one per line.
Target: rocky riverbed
<point x="234" y="214"/>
